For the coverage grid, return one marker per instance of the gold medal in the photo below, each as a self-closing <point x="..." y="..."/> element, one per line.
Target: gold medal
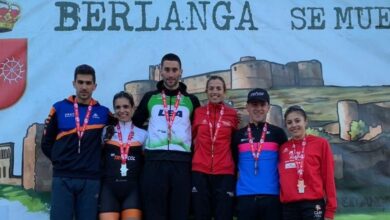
<point x="301" y="186"/>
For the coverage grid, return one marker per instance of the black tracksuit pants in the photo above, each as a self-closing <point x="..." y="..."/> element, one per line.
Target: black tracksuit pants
<point x="212" y="195"/>
<point x="166" y="190"/>
<point x="259" y="207"/>
<point x="304" y="210"/>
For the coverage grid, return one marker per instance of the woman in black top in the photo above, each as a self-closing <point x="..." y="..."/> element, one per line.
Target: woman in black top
<point x="122" y="162"/>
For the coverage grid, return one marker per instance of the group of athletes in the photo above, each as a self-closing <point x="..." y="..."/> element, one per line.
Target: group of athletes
<point x="171" y="154"/>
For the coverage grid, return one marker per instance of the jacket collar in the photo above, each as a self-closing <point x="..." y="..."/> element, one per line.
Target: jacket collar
<point x="215" y="105"/>
<point x="73" y="97"/>
<point x="254" y="125"/>
<point x="182" y="88"/>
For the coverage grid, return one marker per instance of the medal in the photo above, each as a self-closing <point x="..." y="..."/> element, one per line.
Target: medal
<point x="299" y="158"/>
<point x="256" y="151"/>
<point x="169" y="133"/>
<point x="124" y="147"/>
<point x="123" y="170"/>
<point x="255" y="167"/>
<point x="166" y="113"/>
<point x="301" y="186"/>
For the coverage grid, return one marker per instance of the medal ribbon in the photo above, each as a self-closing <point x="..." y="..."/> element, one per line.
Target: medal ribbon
<point x="125" y="147"/>
<point x="80" y="131"/>
<point x="218" y="125"/>
<point x="299" y="158"/>
<point x="213" y="138"/>
<point x="256" y="152"/>
<point x="176" y="106"/>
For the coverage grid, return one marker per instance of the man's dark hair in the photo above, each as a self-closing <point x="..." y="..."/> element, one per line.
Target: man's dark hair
<point x="171" y="57"/>
<point x="85" y="69"/>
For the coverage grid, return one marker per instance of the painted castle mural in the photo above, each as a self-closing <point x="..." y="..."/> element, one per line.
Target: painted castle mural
<point x="6" y="165"/>
<point x="245" y="74"/>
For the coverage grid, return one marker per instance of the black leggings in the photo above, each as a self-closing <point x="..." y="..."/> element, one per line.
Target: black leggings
<point x="119" y="194"/>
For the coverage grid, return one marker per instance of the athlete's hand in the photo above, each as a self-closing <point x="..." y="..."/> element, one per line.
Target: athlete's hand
<point x="109" y="133"/>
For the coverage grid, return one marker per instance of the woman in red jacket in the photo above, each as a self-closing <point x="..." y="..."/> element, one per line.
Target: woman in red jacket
<point x="306" y="170"/>
<point x="213" y="179"/>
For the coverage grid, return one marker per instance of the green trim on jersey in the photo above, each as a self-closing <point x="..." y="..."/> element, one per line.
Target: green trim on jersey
<point x="174" y="141"/>
<point x="181" y="129"/>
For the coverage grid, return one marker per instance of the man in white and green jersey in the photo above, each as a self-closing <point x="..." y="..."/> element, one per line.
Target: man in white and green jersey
<point x="166" y="182"/>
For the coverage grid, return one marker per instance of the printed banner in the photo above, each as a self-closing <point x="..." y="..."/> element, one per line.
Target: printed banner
<point x="330" y="57"/>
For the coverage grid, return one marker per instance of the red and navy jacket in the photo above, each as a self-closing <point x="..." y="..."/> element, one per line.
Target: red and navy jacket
<point x="218" y="160"/>
<point x="60" y="140"/>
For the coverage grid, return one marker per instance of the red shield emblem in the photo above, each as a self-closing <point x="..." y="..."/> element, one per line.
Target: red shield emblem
<point x="13" y="70"/>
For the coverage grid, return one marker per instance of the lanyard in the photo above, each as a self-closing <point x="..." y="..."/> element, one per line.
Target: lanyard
<point x="172" y="118"/>
<point x="299" y="158"/>
<point x="125" y="147"/>
<point x="256" y="152"/>
<point x="218" y="126"/>
<point x="80" y="131"/>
